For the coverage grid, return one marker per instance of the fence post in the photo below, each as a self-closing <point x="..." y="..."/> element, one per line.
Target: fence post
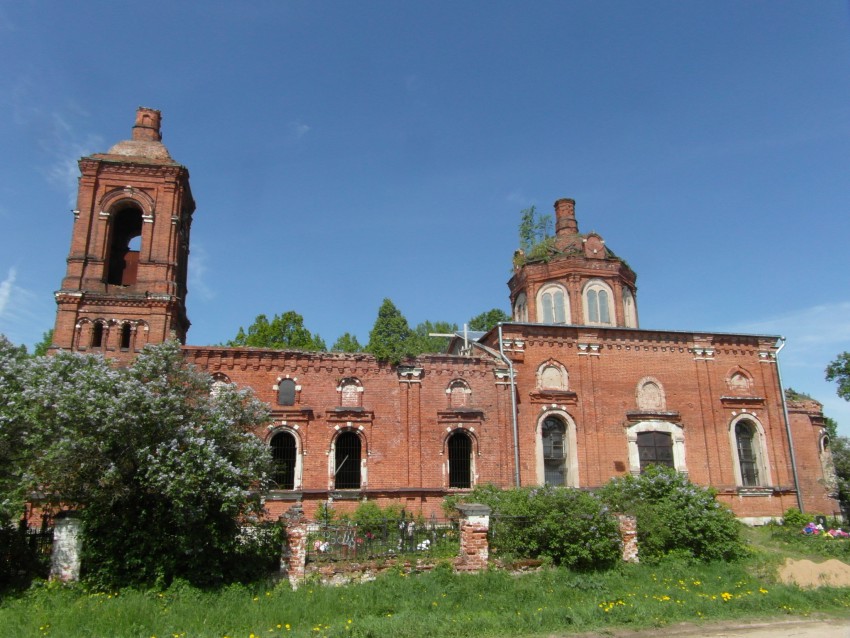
<point x="628" y="533"/>
<point x="294" y="556"/>
<point x="474" y="546"/>
<point x="67" y="546"/>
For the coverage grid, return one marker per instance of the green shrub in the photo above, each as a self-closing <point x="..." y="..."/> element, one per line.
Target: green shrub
<point x="675" y="516"/>
<point x="795" y="519"/>
<point x="372" y="518"/>
<point x="567" y="526"/>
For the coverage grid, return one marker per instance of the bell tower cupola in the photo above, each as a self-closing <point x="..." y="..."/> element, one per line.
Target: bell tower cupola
<point x="573" y="278"/>
<point x="125" y="283"/>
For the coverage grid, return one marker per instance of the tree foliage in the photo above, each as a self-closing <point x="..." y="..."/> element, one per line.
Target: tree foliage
<point x="347" y="343"/>
<point x="391" y="338"/>
<point x="161" y="470"/>
<point x="839" y="447"/>
<point x="283" y="332"/>
<point x="839" y="371"/>
<point x="535" y="234"/>
<point x="42" y="346"/>
<point x="424" y="343"/>
<point x="488" y="319"/>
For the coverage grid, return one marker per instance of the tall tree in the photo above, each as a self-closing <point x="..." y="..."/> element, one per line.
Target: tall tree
<point x="839" y="371"/>
<point x="347" y="343"/>
<point x="42" y="346"/>
<point x="391" y="338"/>
<point x="283" y="332"/>
<point x="488" y="319"/>
<point x="161" y="469"/>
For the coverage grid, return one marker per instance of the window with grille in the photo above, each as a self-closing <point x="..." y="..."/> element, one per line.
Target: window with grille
<point x="744" y="437"/>
<point x="655" y="448"/>
<point x="283" y="459"/>
<point x="460" y="461"/>
<point x="347" y="462"/>
<point x="286" y="392"/>
<point x="554" y="435"/>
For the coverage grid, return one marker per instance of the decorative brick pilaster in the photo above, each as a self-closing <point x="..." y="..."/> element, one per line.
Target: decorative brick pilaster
<point x="628" y="533"/>
<point x="293" y="559"/>
<point x="67" y="546"/>
<point x="474" y="546"/>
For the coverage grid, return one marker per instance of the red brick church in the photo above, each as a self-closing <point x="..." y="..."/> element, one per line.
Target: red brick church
<point x="570" y="392"/>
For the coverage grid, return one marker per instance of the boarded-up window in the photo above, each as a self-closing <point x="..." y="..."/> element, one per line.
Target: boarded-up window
<point x="458" y="393"/>
<point x="286" y="392"/>
<point x="350" y="393"/>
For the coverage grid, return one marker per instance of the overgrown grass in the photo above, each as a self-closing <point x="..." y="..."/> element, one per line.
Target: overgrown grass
<point x="438" y="603"/>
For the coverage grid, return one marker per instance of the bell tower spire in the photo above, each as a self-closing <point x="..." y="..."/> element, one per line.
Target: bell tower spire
<point x="125" y="283"/>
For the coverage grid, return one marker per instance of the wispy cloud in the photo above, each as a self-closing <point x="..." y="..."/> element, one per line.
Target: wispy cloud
<point x="199" y="271"/>
<point x="298" y="129"/>
<point x="65" y="145"/>
<point x="56" y="132"/>
<point x="24" y="316"/>
<point x="6" y="290"/>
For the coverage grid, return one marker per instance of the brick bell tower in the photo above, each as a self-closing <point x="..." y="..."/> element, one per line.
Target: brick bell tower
<point x="125" y="285"/>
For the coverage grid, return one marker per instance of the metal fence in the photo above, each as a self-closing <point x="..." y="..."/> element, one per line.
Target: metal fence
<point x="405" y="536"/>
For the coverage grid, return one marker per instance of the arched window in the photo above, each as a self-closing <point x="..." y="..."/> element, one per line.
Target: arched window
<point x="283" y="457"/>
<point x="521" y="308"/>
<point x="123" y="260"/>
<point x="126" y="336"/>
<point x="597" y="303"/>
<point x="744" y="435"/>
<point x="97" y="335"/>
<point x="350" y="392"/>
<point x="347" y="461"/>
<point x="750" y="460"/>
<point x="553" y="432"/>
<point x="460" y="460"/>
<point x="553" y="305"/>
<point x="286" y="392"/>
<point x="629" y="309"/>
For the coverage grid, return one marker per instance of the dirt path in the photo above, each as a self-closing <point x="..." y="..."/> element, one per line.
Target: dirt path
<point x="799" y="628"/>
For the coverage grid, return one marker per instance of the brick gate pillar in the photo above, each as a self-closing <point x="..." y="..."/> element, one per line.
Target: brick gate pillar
<point x="628" y="533"/>
<point x="474" y="546"/>
<point x="293" y="559"/>
<point x="67" y="546"/>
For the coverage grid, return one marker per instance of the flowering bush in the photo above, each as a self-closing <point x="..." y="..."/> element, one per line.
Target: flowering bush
<point x="162" y="470"/>
<point x="568" y="526"/>
<point x="675" y="516"/>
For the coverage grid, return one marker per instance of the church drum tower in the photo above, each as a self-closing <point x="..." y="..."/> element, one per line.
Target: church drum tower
<point x="125" y="284"/>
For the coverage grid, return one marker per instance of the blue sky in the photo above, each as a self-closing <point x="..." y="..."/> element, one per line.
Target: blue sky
<point x="344" y="152"/>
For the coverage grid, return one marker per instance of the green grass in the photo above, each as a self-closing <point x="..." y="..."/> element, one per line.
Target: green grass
<point x="438" y="603"/>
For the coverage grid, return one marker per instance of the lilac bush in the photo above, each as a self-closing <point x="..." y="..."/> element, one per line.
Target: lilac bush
<point x="162" y="471"/>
